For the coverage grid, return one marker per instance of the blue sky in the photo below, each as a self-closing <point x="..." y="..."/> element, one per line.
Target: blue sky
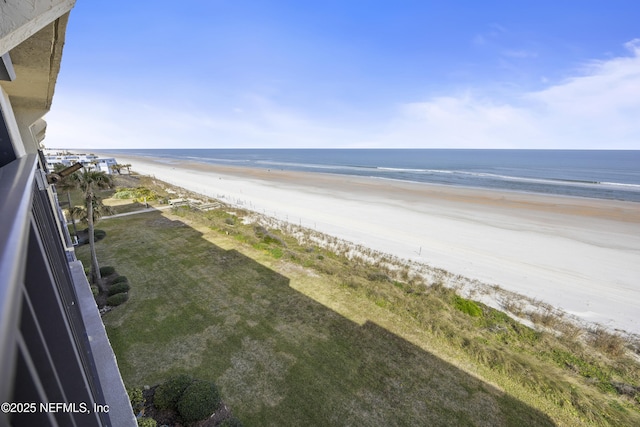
<point x="424" y="74"/>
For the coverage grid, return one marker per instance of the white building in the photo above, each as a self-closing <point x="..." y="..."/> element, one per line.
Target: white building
<point x="103" y="164"/>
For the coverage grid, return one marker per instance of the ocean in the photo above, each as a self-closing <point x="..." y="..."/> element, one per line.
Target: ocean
<point x="603" y="174"/>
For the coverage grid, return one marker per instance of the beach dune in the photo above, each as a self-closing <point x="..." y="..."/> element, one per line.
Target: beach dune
<point x="579" y="255"/>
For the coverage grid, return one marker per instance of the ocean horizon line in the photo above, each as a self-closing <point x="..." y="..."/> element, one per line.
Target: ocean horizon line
<point x="601" y="174"/>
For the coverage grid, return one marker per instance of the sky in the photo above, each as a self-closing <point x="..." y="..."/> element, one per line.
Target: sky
<point x="349" y="74"/>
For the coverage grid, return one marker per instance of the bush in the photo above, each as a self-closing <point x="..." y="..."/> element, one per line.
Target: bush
<point x="119" y="279"/>
<point x="124" y="193"/>
<point x="139" y="194"/>
<point x="610" y="343"/>
<point x="106" y="271"/>
<point x="147" y="422"/>
<point x="118" y="288"/>
<point x="199" y="400"/>
<point x="117" y="299"/>
<point x="136" y="398"/>
<point x="467" y="306"/>
<point x="168" y="393"/>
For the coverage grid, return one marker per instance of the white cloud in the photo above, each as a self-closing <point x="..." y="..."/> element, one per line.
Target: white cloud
<point x="460" y="122"/>
<point x="112" y="123"/>
<point x="597" y="109"/>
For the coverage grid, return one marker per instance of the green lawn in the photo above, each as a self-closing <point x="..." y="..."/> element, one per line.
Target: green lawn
<point x="299" y="336"/>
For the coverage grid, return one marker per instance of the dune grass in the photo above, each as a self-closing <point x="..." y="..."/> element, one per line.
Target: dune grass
<point x="295" y="334"/>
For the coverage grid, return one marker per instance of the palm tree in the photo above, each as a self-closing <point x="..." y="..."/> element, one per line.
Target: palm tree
<point x="128" y="166"/>
<point x="99" y="209"/>
<point x="118" y="167"/>
<point x="88" y="181"/>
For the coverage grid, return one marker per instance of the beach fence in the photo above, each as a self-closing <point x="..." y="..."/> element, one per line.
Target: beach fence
<point x="194" y="203"/>
<point x="178" y="202"/>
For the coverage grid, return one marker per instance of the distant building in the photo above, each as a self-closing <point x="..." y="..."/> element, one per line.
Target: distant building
<point x="90" y="161"/>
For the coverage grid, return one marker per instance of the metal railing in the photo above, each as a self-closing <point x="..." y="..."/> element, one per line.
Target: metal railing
<point x="45" y="354"/>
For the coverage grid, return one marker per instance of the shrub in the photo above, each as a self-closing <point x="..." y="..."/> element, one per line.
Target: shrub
<point x="143" y="193"/>
<point x="378" y="276"/>
<point x="139" y="194"/>
<point x="118" y="288"/>
<point x="147" y="422"/>
<point x="198" y="401"/>
<point x="260" y="231"/>
<point x="270" y="238"/>
<point x="168" y="393"/>
<point x="610" y="343"/>
<point x="229" y="221"/>
<point x="117" y="299"/>
<point x="124" y="193"/>
<point x="107" y="270"/>
<point x="136" y="398"/>
<point x="119" y="279"/>
<point x="467" y="306"/>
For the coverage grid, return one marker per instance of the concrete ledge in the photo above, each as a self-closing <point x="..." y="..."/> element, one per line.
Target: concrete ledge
<point x="115" y="394"/>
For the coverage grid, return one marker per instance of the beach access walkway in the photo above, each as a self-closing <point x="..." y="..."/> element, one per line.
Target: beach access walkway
<point x="160" y="208"/>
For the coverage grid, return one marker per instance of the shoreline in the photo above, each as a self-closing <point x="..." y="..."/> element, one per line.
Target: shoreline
<point x="579" y="255"/>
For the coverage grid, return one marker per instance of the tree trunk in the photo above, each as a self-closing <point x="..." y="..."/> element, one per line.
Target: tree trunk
<point x="96" y="279"/>
<point x="73" y="220"/>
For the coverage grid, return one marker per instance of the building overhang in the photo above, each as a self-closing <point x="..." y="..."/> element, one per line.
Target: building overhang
<point x="32" y="36"/>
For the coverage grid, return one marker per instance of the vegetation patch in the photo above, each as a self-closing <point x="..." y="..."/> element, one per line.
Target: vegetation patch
<point x="119" y="279"/>
<point x="107" y="270"/>
<point x="168" y="393"/>
<point x="199" y="400"/>
<point x="139" y="194"/>
<point x="117" y="288"/>
<point x="584" y="368"/>
<point x="117" y="299"/>
<point x="467" y="306"/>
<point x="611" y="343"/>
<point x="136" y="398"/>
<point x="146" y="422"/>
<point x="327" y="337"/>
<point x="182" y="400"/>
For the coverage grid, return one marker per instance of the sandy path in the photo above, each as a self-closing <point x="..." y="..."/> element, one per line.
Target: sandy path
<point x="580" y="255"/>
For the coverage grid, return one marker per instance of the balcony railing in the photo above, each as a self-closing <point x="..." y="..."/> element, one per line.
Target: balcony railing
<point x="56" y="364"/>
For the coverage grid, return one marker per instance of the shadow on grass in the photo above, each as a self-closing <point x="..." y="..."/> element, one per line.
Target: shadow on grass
<point x="279" y="357"/>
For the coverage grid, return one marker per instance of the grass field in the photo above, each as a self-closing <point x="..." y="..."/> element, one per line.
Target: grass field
<point x="297" y="335"/>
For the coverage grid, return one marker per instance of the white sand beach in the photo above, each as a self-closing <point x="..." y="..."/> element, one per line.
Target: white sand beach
<point x="579" y="255"/>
